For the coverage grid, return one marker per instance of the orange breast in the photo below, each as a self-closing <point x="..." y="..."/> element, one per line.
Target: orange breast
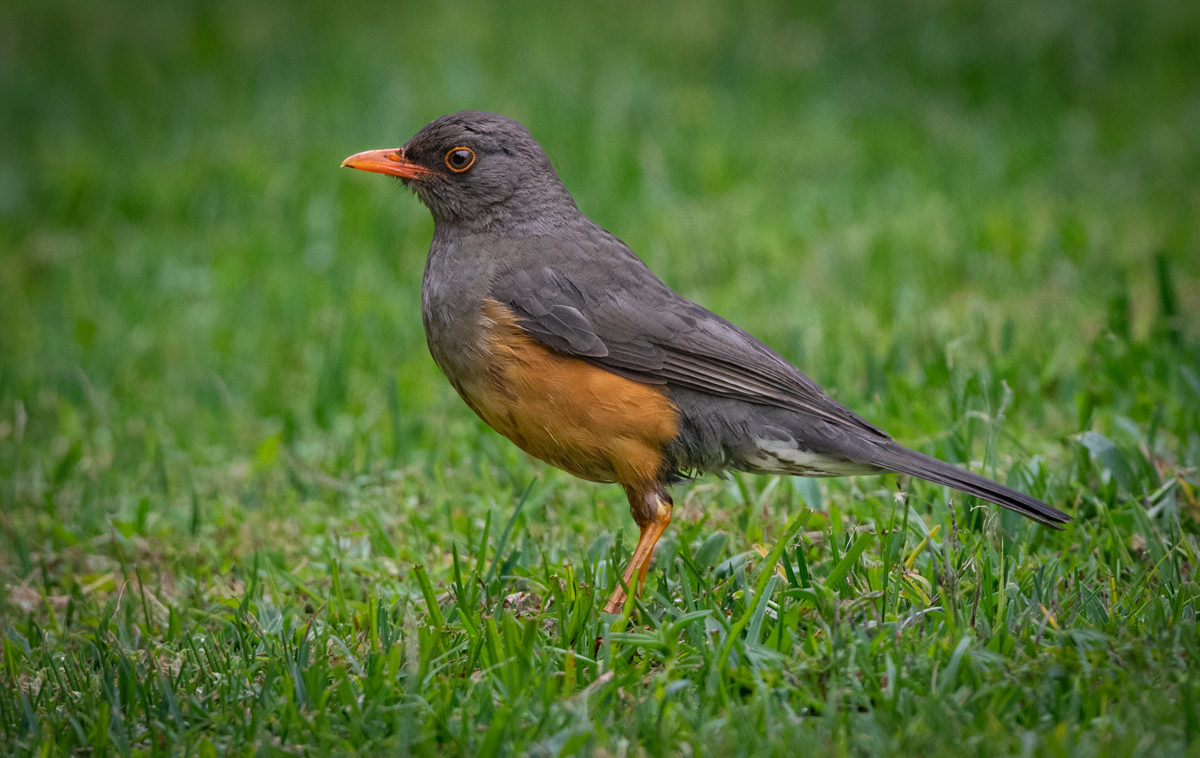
<point x="594" y="424"/>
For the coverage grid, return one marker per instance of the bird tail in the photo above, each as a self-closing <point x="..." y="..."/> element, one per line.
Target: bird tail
<point x="901" y="460"/>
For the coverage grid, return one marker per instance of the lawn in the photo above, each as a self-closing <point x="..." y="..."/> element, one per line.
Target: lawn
<point x="243" y="513"/>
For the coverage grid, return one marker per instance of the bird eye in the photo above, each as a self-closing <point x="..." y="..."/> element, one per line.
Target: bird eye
<point x="460" y="159"/>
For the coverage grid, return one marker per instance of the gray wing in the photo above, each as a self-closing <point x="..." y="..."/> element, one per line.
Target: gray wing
<point x="633" y="325"/>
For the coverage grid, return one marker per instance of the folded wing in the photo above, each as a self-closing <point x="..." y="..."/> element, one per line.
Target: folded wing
<point x="638" y="328"/>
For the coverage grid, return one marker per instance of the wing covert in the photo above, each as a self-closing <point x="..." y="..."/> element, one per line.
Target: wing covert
<point x="644" y="331"/>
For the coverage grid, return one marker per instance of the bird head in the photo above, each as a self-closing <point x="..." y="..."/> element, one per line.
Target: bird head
<point x="475" y="169"/>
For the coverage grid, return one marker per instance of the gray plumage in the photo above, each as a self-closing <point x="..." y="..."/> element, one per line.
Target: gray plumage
<point x="509" y="230"/>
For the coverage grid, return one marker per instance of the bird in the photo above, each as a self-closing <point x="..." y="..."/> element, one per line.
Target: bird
<point x="563" y="340"/>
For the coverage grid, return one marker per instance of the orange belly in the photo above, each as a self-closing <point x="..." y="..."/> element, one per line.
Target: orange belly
<point x="594" y="424"/>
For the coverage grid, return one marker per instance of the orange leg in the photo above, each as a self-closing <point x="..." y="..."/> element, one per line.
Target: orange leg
<point x="639" y="563"/>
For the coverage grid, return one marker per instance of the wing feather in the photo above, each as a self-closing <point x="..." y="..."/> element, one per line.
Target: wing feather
<point x="638" y="328"/>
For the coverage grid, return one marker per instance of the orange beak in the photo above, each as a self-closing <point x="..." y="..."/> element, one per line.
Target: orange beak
<point x="391" y="162"/>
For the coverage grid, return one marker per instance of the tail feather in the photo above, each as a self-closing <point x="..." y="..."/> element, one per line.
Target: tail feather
<point x="904" y="461"/>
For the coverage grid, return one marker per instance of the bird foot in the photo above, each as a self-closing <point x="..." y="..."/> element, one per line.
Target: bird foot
<point x="616" y="603"/>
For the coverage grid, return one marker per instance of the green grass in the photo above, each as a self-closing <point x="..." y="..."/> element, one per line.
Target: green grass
<point x="243" y="513"/>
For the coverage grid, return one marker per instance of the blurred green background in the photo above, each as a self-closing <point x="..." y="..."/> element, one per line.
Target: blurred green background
<point x="977" y="223"/>
<point x="866" y="186"/>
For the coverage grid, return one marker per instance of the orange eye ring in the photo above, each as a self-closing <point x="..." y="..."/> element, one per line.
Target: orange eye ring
<point x="459" y="159"/>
